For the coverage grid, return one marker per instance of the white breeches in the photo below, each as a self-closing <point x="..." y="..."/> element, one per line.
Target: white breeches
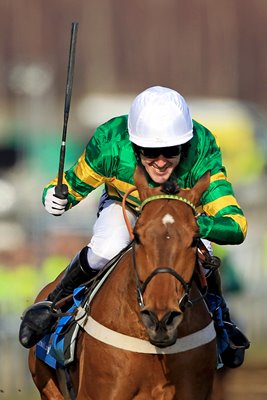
<point x="110" y="234"/>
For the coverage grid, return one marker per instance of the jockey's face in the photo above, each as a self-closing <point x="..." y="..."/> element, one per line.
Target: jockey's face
<point x="160" y="168"/>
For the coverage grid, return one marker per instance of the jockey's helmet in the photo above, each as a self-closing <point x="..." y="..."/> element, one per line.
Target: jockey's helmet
<point x="159" y="117"/>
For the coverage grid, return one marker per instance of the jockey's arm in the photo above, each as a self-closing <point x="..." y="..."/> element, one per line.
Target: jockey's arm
<point x="95" y="165"/>
<point x="222" y="221"/>
<point x="81" y="179"/>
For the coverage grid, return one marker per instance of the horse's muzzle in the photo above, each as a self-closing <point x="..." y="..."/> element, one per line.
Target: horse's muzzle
<point x="162" y="333"/>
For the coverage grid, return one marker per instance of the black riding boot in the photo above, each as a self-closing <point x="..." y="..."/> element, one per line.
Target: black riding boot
<point x="37" y="320"/>
<point x="233" y="356"/>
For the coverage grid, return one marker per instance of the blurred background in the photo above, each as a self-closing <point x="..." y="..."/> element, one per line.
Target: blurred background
<point x="214" y="53"/>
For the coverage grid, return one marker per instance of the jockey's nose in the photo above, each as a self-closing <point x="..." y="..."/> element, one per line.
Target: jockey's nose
<point x="160" y="161"/>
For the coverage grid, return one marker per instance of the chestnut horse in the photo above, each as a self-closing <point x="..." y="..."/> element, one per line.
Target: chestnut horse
<point x="149" y="334"/>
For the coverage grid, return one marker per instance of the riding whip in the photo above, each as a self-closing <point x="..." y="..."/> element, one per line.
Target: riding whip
<point x="61" y="190"/>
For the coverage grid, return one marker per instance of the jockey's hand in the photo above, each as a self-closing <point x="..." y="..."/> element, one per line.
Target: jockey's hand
<point x="53" y="204"/>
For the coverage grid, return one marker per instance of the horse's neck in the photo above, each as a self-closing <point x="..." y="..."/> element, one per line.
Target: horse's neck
<point x="115" y="305"/>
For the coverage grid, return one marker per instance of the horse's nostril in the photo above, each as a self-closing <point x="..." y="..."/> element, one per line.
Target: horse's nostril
<point x="149" y="319"/>
<point x="168" y="323"/>
<point x="170" y="318"/>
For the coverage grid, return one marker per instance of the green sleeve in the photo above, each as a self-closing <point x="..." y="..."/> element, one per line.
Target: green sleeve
<point x="220" y="230"/>
<point x="223" y="221"/>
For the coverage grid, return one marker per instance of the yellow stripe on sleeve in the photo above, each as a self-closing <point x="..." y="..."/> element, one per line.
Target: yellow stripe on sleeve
<point x="118" y="188"/>
<point x="241" y="221"/>
<point x="86" y="174"/>
<point x="217" y="177"/>
<point x="215" y="206"/>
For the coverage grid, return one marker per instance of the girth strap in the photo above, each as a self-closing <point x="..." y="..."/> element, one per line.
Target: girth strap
<point x="129" y="343"/>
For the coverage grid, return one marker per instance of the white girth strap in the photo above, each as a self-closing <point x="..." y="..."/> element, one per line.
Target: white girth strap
<point x="124" y="342"/>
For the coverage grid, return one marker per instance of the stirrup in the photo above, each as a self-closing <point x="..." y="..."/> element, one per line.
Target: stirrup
<point x="37" y="321"/>
<point x="45" y="303"/>
<point x="234" y="355"/>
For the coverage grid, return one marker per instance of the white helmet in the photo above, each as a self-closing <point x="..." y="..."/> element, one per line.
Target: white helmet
<point x="159" y="117"/>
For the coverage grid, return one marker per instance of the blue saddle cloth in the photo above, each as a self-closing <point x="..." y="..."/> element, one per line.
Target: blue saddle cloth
<point x="57" y="349"/>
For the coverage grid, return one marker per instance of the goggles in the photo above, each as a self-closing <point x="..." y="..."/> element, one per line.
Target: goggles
<point x="155" y="152"/>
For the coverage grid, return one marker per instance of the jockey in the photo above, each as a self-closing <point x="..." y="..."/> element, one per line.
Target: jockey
<point x="159" y="134"/>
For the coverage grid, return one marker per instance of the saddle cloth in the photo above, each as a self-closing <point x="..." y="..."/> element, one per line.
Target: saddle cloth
<point x="57" y="349"/>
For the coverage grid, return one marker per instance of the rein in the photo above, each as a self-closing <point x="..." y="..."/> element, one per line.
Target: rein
<point x="148" y="200"/>
<point x="126" y="219"/>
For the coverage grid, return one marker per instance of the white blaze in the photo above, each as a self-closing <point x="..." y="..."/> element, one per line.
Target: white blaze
<point x="168" y="219"/>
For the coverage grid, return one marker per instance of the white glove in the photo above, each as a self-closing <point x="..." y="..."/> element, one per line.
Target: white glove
<point x="53" y="204"/>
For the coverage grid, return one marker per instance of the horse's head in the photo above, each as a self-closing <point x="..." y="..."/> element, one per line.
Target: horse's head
<point x="165" y="252"/>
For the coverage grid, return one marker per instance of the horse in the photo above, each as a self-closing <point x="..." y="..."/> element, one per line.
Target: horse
<point x="148" y="333"/>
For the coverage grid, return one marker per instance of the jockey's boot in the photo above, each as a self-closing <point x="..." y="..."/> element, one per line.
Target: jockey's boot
<point x="234" y="354"/>
<point x="40" y="319"/>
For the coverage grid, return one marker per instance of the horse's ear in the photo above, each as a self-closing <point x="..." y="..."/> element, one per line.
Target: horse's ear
<point x="140" y="182"/>
<point x="200" y="187"/>
<point x="140" y="177"/>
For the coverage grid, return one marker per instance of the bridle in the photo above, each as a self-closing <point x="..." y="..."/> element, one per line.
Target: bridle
<point x="185" y="301"/>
